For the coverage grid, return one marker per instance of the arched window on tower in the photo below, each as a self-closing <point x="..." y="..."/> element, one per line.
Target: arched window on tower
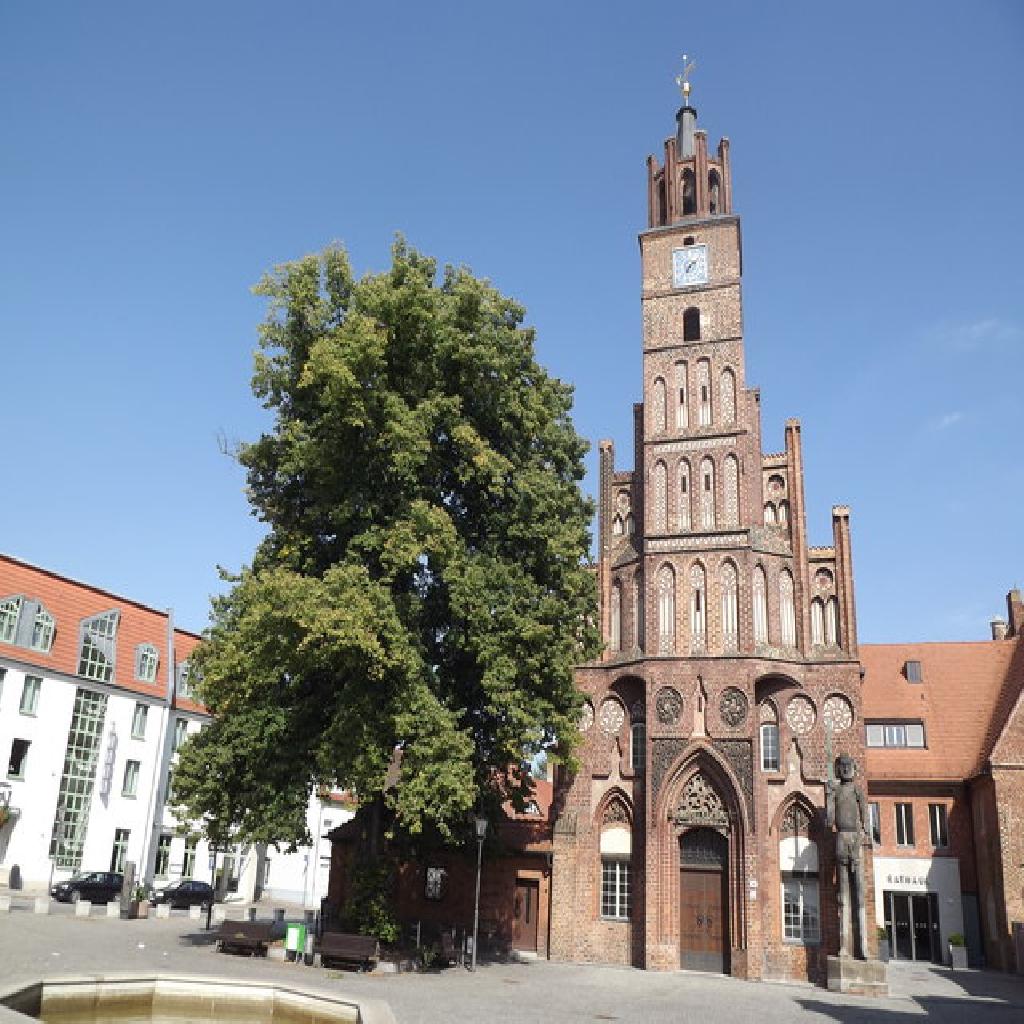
<point x="662" y="205"/>
<point x="729" y="582"/>
<point x="760" y="595"/>
<point x="817" y="622"/>
<point x="683" y="497"/>
<point x="629" y="524"/>
<point x="707" y="494"/>
<point x="688" y="193"/>
<point x="617" y="525"/>
<point x="704" y="391"/>
<point x="727" y="396"/>
<point x="714" y="192"/>
<point x="698" y="608"/>
<point x="682" y="412"/>
<point x="616" y="854"/>
<point x="832" y="622"/>
<point x="769" y="737"/>
<point x="731" y="481"/>
<point x="787" y="615"/>
<point x="658" y="406"/>
<point x="783" y="512"/>
<point x="666" y="610"/>
<point x="615" y="640"/>
<point x="769" y="514"/>
<point x="636" y="623"/>
<point x="660" y="497"/>
<point x="691" y="324"/>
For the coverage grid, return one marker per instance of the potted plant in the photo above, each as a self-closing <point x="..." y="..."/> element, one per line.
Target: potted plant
<point x="139" y="906"/>
<point x="883" y="945"/>
<point x="957" y="951"/>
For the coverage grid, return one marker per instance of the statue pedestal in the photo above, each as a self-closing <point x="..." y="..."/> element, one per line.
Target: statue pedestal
<point x="857" y="977"/>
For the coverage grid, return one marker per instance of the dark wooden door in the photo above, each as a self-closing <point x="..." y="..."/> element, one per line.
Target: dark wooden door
<point x="524" y="914"/>
<point x="702" y="931"/>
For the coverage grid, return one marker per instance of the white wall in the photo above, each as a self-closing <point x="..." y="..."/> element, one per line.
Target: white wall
<point x="940" y="875"/>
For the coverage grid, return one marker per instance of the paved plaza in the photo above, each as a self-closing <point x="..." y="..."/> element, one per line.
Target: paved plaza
<point x="533" y="993"/>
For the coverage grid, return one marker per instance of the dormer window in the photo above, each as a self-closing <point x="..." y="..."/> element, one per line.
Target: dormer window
<point x="184" y="684"/>
<point x="97" y="651"/>
<point x="42" y="630"/>
<point x="10" y="609"/>
<point x="146" y="660"/>
<point x="25" y="622"/>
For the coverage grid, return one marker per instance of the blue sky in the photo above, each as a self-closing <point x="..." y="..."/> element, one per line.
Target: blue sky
<point x="157" y="159"/>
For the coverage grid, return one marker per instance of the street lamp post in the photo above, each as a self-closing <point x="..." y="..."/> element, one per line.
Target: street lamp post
<point x="480" y="823"/>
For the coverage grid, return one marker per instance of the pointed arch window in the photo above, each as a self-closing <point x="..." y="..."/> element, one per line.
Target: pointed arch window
<point x="832" y="622"/>
<point x="727" y="396"/>
<point x="707" y="494"/>
<point x="760" y="595"/>
<point x="729" y="583"/>
<point x="691" y="324"/>
<point x="660" y="497"/>
<point x="714" y="192"/>
<point x="732" y="490"/>
<point x="636" y="628"/>
<point x="658" y="410"/>
<point x="666" y="610"/>
<point x="682" y="412"/>
<point x="615" y="640"/>
<point x="637" y="737"/>
<point x="688" y="193"/>
<point x="769" y="514"/>
<point x="787" y="614"/>
<point x="798" y="866"/>
<point x="617" y="526"/>
<point x="817" y="622"/>
<point x="783" y="512"/>
<point x="704" y="391"/>
<point x="683" y="498"/>
<point x="698" y="608"/>
<point x="769" y="738"/>
<point x="629" y="523"/>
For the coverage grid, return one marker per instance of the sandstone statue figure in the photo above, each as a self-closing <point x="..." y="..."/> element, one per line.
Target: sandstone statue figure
<point x="847" y="812"/>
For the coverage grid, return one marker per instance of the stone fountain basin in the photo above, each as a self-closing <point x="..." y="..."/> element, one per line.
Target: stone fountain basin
<point x="91" y="999"/>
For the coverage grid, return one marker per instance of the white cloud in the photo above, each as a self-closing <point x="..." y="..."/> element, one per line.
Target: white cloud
<point x="970" y="337"/>
<point x="946" y="421"/>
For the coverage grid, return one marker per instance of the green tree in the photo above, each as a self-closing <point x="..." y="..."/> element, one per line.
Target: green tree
<point x="422" y="584"/>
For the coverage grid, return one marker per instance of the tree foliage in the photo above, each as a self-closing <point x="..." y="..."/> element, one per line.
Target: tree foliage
<point x="422" y="584"/>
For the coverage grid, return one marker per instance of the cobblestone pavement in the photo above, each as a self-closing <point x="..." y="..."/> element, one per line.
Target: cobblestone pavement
<point x="532" y="993"/>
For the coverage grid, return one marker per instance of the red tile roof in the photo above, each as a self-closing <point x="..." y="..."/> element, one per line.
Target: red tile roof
<point x="967" y="692"/>
<point x="69" y="602"/>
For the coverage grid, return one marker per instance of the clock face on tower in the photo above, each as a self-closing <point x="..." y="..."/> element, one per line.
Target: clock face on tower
<point x="689" y="266"/>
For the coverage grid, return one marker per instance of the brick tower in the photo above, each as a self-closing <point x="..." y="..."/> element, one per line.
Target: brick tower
<point x="693" y="833"/>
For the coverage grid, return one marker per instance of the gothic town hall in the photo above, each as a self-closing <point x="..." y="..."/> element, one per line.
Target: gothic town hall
<point x="693" y="833"/>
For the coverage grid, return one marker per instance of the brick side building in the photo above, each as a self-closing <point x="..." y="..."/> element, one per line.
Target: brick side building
<point x="692" y="835"/>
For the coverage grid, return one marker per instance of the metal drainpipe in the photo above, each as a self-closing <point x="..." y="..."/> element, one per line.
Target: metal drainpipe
<point x="154" y="812"/>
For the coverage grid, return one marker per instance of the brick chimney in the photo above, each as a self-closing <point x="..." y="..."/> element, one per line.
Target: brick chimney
<point x="1015" y="612"/>
<point x="999" y="628"/>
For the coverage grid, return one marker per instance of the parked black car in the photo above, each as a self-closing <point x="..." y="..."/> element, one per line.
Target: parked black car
<point x="94" y="886"/>
<point x="185" y="893"/>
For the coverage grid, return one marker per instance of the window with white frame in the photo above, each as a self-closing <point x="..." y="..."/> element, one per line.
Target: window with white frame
<point x="188" y="864"/>
<point x="798" y="865"/>
<point x="42" y="630"/>
<point x="875" y="813"/>
<point x="130" y="785"/>
<point x="183" y="684"/>
<point x="97" y="647"/>
<point x="615" y="894"/>
<point x="139" y="721"/>
<point x="894" y="734"/>
<point x="637" y="737"/>
<point x="180" y="733"/>
<point x="938" y="824"/>
<point x="10" y="608"/>
<point x="163" y="856"/>
<point x="904" y="824"/>
<point x="146" y="660"/>
<point x="30" y="695"/>
<point x="18" y="758"/>
<point x="769" y="747"/>
<point x="119" y="853"/>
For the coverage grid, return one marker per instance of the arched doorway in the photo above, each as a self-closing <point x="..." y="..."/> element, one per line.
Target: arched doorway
<point x="704" y="900"/>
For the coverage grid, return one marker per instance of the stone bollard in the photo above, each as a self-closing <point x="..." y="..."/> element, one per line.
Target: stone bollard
<point x="250" y="914"/>
<point x="278" y="915"/>
<point x="219" y="915"/>
<point x="114" y="908"/>
<point x="163" y="910"/>
<point x="195" y="912"/>
<point x="42" y="905"/>
<point x="5" y="904"/>
<point x="82" y="908"/>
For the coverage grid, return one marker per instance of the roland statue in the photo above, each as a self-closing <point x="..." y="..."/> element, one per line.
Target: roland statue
<point x="847" y="812"/>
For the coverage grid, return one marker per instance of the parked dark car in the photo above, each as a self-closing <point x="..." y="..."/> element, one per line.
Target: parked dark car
<point x="94" y="886"/>
<point x="185" y="893"/>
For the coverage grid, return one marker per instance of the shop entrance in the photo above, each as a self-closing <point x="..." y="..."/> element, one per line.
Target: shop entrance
<point x="703" y="901"/>
<point x="912" y="923"/>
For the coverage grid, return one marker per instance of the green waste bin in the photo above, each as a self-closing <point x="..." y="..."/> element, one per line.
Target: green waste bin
<point x="294" y="940"/>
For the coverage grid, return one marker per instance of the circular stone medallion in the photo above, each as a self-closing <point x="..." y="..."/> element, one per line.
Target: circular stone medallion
<point x="837" y="713"/>
<point x="586" y="716"/>
<point x="800" y="715"/>
<point x="733" y="707"/>
<point x="612" y="716"/>
<point x="668" y="705"/>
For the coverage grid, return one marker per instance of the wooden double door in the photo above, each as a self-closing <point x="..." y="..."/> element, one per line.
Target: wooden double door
<point x="703" y="901"/>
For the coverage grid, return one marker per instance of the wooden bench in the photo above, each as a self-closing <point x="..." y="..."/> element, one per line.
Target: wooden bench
<point x="250" y="937"/>
<point x="361" y="950"/>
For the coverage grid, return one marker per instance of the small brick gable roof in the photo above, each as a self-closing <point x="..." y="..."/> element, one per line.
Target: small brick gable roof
<point x="965" y="699"/>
